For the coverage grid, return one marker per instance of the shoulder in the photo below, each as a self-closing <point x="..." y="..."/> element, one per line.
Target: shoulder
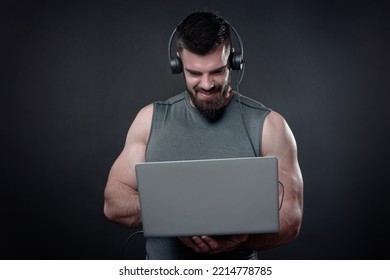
<point x="145" y="114"/>
<point x="275" y="122"/>
<point x="277" y="134"/>
<point x="140" y="128"/>
<point x="247" y="102"/>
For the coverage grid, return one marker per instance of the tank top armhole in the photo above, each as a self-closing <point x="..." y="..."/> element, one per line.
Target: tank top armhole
<point x="151" y="128"/>
<point x="260" y="154"/>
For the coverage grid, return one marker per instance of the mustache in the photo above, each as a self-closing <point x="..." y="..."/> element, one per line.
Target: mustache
<point x="213" y="89"/>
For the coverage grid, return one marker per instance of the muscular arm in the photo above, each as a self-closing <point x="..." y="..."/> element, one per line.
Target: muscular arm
<point x="279" y="141"/>
<point x="121" y="200"/>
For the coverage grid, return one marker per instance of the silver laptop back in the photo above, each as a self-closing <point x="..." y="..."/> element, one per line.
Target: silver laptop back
<point x="209" y="197"/>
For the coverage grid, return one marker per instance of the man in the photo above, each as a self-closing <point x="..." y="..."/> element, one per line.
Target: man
<point x="209" y="120"/>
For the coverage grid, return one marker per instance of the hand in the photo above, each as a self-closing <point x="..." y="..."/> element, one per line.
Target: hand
<point x="213" y="244"/>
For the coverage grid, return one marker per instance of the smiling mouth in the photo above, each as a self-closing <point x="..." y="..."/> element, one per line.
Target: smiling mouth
<point x="207" y="94"/>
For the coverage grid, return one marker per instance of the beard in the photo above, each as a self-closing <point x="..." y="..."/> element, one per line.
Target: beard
<point x="212" y="109"/>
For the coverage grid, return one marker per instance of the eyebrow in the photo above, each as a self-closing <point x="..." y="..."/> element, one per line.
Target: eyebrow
<point x="216" y="70"/>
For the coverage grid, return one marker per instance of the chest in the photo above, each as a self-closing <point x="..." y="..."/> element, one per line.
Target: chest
<point x="182" y="136"/>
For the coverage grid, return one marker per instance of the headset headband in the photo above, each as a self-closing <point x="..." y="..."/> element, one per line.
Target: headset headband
<point x="236" y="58"/>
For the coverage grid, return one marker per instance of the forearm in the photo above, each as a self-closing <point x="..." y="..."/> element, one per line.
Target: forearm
<point x="261" y="242"/>
<point x="289" y="230"/>
<point x="122" y="206"/>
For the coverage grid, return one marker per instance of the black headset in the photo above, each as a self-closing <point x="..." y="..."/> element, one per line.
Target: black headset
<point x="236" y="58"/>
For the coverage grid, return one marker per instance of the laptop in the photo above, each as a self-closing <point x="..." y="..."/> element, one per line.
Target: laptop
<point x="209" y="197"/>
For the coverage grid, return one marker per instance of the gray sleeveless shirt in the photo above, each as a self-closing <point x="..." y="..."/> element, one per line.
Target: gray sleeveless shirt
<point x="180" y="132"/>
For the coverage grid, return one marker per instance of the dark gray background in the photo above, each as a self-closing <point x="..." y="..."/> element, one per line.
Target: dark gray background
<point x="75" y="73"/>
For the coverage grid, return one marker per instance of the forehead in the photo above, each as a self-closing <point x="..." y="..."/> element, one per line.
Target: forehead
<point x="204" y="63"/>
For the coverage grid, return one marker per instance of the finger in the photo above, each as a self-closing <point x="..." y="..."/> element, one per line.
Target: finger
<point x="202" y="245"/>
<point x="242" y="237"/>
<point x="189" y="243"/>
<point x="211" y="242"/>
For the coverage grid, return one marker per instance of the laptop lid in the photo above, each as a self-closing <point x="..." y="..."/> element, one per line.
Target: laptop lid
<point x="209" y="197"/>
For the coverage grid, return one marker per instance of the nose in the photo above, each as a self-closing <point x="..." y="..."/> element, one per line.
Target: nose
<point x="206" y="82"/>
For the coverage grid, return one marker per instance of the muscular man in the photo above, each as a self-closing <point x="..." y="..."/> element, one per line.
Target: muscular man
<point x="208" y="120"/>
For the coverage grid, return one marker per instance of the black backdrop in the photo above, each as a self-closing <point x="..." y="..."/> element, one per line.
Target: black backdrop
<point x="75" y="73"/>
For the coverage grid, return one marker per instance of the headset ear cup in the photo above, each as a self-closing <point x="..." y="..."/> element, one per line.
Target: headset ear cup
<point x="236" y="61"/>
<point x="176" y="65"/>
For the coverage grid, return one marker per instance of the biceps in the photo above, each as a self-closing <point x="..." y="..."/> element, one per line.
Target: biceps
<point x="291" y="177"/>
<point x="123" y="170"/>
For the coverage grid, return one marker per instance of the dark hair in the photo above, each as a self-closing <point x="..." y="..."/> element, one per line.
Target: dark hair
<point x="202" y="33"/>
